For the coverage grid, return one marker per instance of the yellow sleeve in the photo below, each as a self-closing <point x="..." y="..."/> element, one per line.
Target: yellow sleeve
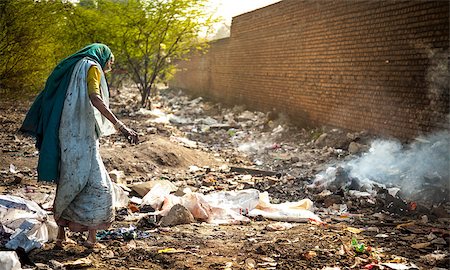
<point x="93" y="80"/>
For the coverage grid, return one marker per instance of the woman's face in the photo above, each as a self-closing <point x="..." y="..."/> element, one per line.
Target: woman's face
<point x="108" y="65"/>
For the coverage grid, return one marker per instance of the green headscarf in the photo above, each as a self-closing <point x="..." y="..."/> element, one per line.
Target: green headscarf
<point x="43" y="118"/>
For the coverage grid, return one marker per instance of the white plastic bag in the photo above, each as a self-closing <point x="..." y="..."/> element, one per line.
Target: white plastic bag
<point x="239" y="201"/>
<point x="121" y="199"/>
<point x="289" y="211"/>
<point x="230" y="207"/>
<point x="9" y="261"/>
<point x="264" y="203"/>
<point x="29" y="224"/>
<point x="226" y="216"/>
<point x="155" y="197"/>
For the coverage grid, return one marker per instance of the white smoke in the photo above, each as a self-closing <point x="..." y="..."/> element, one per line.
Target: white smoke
<point x="387" y="162"/>
<point x="422" y="164"/>
<point x="438" y="77"/>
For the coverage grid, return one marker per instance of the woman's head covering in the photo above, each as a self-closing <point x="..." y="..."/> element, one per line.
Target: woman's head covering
<point x="43" y="118"/>
<point x="96" y="51"/>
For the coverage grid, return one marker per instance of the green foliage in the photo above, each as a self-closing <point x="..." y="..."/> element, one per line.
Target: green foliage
<point x="146" y="36"/>
<point x="29" y="42"/>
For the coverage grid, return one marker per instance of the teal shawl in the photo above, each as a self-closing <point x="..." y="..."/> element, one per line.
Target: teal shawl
<point x="43" y="118"/>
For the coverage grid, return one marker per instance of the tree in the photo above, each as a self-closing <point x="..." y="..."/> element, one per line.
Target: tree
<point x="148" y="35"/>
<point x="30" y="42"/>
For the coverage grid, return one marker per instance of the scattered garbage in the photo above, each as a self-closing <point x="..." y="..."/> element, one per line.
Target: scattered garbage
<point x="170" y="250"/>
<point x="399" y="266"/>
<point x="122" y="234"/>
<point x="353" y="230"/>
<point x="289" y="211"/>
<point x="29" y="226"/>
<point x="241" y="201"/>
<point x="265" y="182"/>
<point x="417" y="173"/>
<point x="437" y="257"/>
<point x="118" y="177"/>
<point x="158" y="193"/>
<point x="228" y="207"/>
<point x="121" y="199"/>
<point x="358" y="247"/>
<point x="144" y="187"/>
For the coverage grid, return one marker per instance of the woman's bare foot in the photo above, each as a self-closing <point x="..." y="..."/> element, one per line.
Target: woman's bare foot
<point x="61" y="238"/>
<point x="92" y="236"/>
<point x="91" y="241"/>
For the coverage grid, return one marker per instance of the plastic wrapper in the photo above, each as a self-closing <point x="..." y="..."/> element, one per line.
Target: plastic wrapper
<point x="197" y="205"/>
<point x="230" y="207"/>
<point x="226" y="216"/>
<point x="168" y="203"/>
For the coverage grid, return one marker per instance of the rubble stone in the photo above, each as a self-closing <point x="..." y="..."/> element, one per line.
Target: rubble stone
<point x="177" y="215"/>
<point x="356" y="148"/>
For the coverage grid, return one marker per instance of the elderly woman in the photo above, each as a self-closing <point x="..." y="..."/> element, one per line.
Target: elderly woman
<point x="67" y="119"/>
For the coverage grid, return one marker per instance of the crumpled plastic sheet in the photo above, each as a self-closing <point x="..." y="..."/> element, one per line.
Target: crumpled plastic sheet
<point x="27" y="224"/>
<point x="233" y="207"/>
<point x="300" y="211"/>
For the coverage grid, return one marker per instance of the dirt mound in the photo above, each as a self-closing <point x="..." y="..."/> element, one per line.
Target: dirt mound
<point x="154" y="154"/>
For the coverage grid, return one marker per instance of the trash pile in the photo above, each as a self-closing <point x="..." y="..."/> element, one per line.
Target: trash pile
<point x="220" y="207"/>
<point x="268" y="139"/>
<point x="346" y="198"/>
<point x="396" y="179"/>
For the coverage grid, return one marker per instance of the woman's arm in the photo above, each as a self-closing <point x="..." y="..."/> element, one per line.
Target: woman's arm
<point x="98" y="103"/>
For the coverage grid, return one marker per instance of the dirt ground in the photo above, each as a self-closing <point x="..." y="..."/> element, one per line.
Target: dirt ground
<point x="390" y="241"/>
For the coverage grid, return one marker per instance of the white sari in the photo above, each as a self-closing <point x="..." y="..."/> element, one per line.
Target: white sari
<point x="85" y="195"/>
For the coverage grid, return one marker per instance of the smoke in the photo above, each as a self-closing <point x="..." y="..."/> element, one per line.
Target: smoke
<point x="425" y="162"/>
<point x="419" y="169"/>
<point x="438" y="77"/>
<point x="421" y="165"/>
<point x="260" y="142"/>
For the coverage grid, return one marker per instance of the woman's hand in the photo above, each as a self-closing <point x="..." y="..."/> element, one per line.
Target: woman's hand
<point x="130" y="134"/>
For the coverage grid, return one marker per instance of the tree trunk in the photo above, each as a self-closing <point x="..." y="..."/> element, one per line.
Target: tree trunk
<point x="148" y="101"/>
<point x="142" y="98"/>
<point x="145" y="100"/>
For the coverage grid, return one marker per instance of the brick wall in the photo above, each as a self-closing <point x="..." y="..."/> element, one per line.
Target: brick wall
<point x="380" y="66"/>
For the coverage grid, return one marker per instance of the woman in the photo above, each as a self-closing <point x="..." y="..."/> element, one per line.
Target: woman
<point x="67" y="118"/>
